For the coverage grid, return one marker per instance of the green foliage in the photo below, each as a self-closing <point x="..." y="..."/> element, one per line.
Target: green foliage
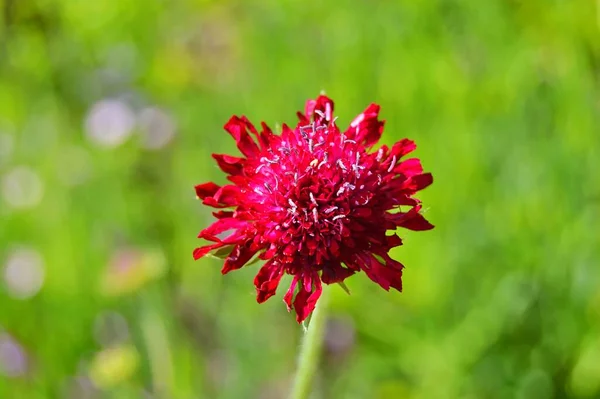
<point x="99" y="294"/>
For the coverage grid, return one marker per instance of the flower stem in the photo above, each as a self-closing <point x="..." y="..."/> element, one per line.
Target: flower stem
<point x="310" y="351"/>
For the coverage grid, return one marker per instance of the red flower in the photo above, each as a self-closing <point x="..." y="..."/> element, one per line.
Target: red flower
<point x="314" y="202"/>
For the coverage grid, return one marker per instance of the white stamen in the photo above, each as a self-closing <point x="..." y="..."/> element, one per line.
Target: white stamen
<point x="341" y="164"/>
<point x="312" y="198"/>
<point x="392" y="164"/>
<point x="324" y="161"/>
<point x="357" y="120"/>
<point x="292" y="204"/>
<point x="330" y="209"/>
<point x="265" y="159"/>
<point x="315" y="215"/>
<point x="338" y="217"/>
<point x="379" y="155"/>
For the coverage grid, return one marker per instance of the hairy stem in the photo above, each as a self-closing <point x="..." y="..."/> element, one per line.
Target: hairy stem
<point x="310" y="351"/>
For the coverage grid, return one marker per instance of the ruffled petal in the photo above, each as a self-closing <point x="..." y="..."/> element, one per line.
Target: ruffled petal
<point x="418" y="182"/>
<point x="205" y="250"/>
<point x="239" y="256"/>
<point x="228" y="164"/>
<point x="266" y="136"/>
<point x="319" y="110"/>
<point x="413" y="220"/>
<point x="267" y="280"/>
<point x="366" y="128"/>
<point x="225" y="196"/>
<point x="387" y="276"/>
<point x="221" y="226"/>
<point x="237" y="127"/>
<point x="206" y="190"/>
<point x="287" y="298"/>
<point x="307" y="296"/>
<point x="402" y="147"/>
<point x="335" y="273"/>
<point x="410" y="167"/>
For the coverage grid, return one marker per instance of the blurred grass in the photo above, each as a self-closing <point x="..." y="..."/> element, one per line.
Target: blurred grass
<point x="501" y="300"/>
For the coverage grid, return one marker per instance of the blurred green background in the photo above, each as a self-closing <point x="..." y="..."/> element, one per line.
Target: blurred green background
<point x="109" y="111"/>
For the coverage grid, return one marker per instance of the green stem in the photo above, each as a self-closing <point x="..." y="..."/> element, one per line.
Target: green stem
<point x="310" y="351"/>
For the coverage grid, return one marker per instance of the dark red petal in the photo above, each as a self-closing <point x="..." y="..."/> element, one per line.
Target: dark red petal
<point x="206" y="190"/>
<point x="223" y="214"/>
<point x="306" y="300"/>
<point x="267" y="280"/>
<point x="393" y="241"/>
<point x="389" y="275"/>
<point x="410" y="167"/>
<point x="221" y="226"/>
<point x="323" y="104"/>
<point x="237" y="128"/>
<point x="303" y="120"/>
<point x="266" y="136"/>
<point x="366" y="128"/>
<point x="239" y="256"/>
<point x="418" y="182"/>
<point x="413" y="220"/>
<point x="335" y="273"/>
<point x="402" y="147"/>
<point x="224" y="197"/>
<point x="287" y="298"/>
<point x="228" y="164"/>
<point x="202" y="251"/>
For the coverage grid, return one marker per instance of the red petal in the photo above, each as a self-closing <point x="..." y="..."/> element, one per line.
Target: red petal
<point x="237" y="128"/>
<point x="393" y="241"/>
<point x="239" y="256"/>
<point x="335" y="273"/>
<point x="224" y="197"/>
<point x="418" y="182"/>
<point x="202" y="251"/>
<point x="206" y="190"/>
<point x="413" y="220"/>
<point x="266" y="136"/>
<point x="322" y="104"/>
<point x="223" y="214"/>
<point x="410" y="167"/>
<point x="306" y="300"/>
<point x="228" y="164"/>
<point x="402" y="147"/>
<point x="267" y="280"/>
<point x="388" y="275"/>
<point x="221" y="226"/>
<point x="287" y="298"/>
<point x="366" y="128"/>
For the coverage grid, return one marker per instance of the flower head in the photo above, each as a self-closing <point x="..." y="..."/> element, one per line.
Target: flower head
<point x="313" y="202"/>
